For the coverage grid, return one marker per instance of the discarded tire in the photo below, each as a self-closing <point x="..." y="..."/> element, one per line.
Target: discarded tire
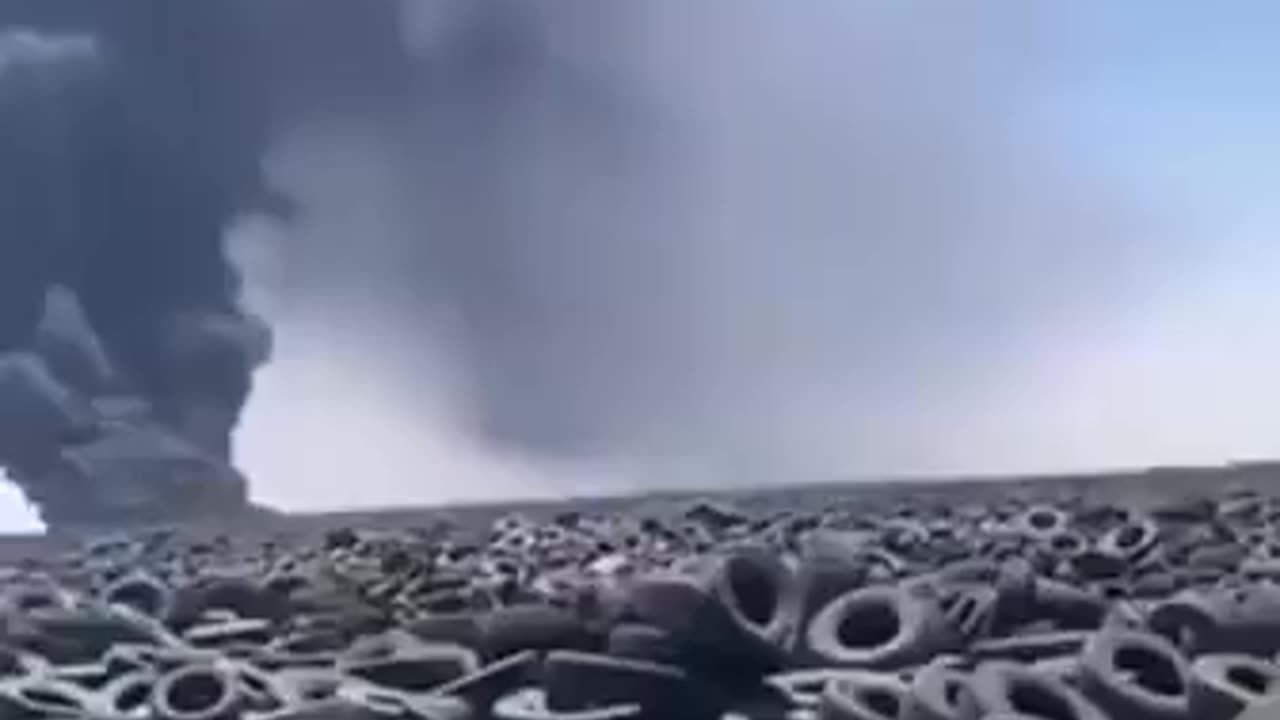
<point x="937" y="692"/>
<point x="914" y="610"/>
<point x="878" y="628"/>
<point x="730" y="613"/>
<point x="197" y="692"/>
<point x="1224" y="686"/>
<point x="1136" y="675"/>
<point x="143" y="593"/>
<point x="865" y="696"/>
<point x="581" y="681"/>
<point x="1222" y="620"/>
<point x="1004" y="688"/>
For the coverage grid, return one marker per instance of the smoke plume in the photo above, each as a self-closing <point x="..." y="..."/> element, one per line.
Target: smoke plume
<point x="562" y="245"/>
<point x="133" y="136"/>
<point x="711" y="242"/>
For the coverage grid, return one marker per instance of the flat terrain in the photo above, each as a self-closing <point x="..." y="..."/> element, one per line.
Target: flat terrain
<point x="1136" y="488"/>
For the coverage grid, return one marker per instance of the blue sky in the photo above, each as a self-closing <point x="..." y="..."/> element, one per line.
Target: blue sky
<point x="1178" y="103"/>
<point x="1177" y="97"/>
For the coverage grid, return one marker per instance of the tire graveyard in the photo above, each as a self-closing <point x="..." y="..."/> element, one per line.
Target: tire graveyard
<point x="926" y="610"/>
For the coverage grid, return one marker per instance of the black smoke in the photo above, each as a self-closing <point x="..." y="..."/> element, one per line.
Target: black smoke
<point x="133" y="134"/>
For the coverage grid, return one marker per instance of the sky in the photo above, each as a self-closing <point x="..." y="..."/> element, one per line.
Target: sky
<point x="843" y="240"/>
<point x="1172" y="100"/>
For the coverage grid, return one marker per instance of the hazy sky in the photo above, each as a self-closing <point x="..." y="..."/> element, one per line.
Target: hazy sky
<point x="814" y="240"/>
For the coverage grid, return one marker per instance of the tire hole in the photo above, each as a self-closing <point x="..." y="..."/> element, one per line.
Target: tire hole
<point x="1249" y="678"/>
<point x="869" y="625"/>
<point x="1151" y="670"/>
<point x="881" y="701"/>
<point x="1038" y="701"/>
<point x="196" y="691"/>
<point x="754" y="591"/>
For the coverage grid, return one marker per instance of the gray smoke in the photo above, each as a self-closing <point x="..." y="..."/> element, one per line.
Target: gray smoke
<point x="743" y="239"/>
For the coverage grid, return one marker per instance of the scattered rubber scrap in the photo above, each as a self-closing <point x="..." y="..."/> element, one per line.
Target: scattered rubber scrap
<point x="1048" y="609"/>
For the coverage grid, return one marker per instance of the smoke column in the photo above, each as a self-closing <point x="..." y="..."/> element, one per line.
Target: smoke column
<point x="133" y="133"/>
<point x="582" y="246"/>
<point x="676" y="242"/>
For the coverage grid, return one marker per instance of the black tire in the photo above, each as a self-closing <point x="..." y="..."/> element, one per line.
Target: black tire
<point x="1136" y="675"/>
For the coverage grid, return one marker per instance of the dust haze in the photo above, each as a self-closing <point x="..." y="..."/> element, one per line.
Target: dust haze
<point x="617" y="246"/>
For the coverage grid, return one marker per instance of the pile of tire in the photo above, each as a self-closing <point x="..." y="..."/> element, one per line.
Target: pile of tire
<point x="1062" y="610"/>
